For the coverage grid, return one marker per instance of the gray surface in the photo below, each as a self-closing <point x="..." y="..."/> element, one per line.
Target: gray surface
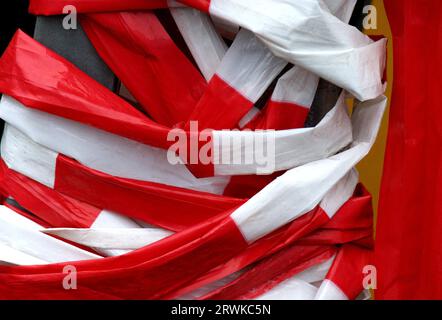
<point x="75" y="47"/>
<point x="325" y="99"/>
<point x="327" y="93"/>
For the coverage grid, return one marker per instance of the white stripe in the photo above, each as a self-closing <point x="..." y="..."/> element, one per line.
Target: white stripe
<point x="205" y="44"/>
<point x="310" y="275"/>
<point x="305" y="33"/>
<point x="103" y="151"/>
<point x="32" y="160"/>
<point x="249" y="67"/>
<point x="292" y="148"/>
<point x="295" y="287"/>
<point x="297" y="86"/>
<point x="338" y="195"/>
<point x="13" y="217"/>
<point x="317" y="272"/>
<point x="300" y="189"/>
<point x="11" y="256"/>
<point x="330" y="291"/>
<point x="109" y="219"/>
<point x="35" y="162"/>
<point x="283" y="149"/>
<point x="111" y="238"/>
<point x="23" y="155"/>
<point x="18" y="233"/>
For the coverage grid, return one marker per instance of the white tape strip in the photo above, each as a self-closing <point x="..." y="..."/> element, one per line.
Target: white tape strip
<point x="297" y="86"/>
<point x="307" y="34"/>
<point x="205" y="44"/>
<point x="103" y="151"/>
<point x="110" y="219"/>
<point x="11" y="256"/>
<point x="21" y="234"/>
<point x="284" y="149"/>
<point x="300" y="189"/>
<point x="111" y="238"/>
<point x="300" y="286"/>
<point x="35" y="162"/>
<point x="330" y="291"/>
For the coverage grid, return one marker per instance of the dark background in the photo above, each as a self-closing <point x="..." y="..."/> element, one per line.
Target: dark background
<point x="13" y="15"/>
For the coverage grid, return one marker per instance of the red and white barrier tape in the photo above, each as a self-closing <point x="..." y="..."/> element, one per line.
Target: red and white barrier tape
<point x="95" y="171"/>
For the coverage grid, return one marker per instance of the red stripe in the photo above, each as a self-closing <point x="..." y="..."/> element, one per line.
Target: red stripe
<point x="347" y="270"/>
<point x="55" y="7"/>
<point x="55" y="209"/>
<point x="352" y="223"/>
<point x="41" y="79"/>
<point x="271" y="271"/>
<point x="160" y="269"/>
<point x="264" y="247"/>
<point x="347" y="218"/>
<point x="221" y="106"/>
<point x="281" y="116"/>
<point x="276" y="116"/>
<point x="168" y="207"/>
<point x="157" y="67"/>
<point x="161" y="205"/>
<point x="199" y="146"/>
<point x="202" y="5"/>
<point x="165" y="269"/>
<point x="307" y="227"/>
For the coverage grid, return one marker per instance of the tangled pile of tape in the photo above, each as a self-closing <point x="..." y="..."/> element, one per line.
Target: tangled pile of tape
<point x="98" y="191"/>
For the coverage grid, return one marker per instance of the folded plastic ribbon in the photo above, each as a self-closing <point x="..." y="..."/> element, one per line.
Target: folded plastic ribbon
<point x="168" y="207"/>
<point x="295" y="31"/>
<point x="226" y="86"/>
<point x="291" y="146"/>
<point x="344" y="280"/>
<point x="313" y="261"/>
<point x="151" y="78"/>
<point x="230" y="235"/>
<point x="298" y="31"/>
<point x="259" y="280"/>
<point x="16" y="232"/>
<point x="60" y="211"/>
<point x="204" y="241"/>
<point x="103" y="166"/>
